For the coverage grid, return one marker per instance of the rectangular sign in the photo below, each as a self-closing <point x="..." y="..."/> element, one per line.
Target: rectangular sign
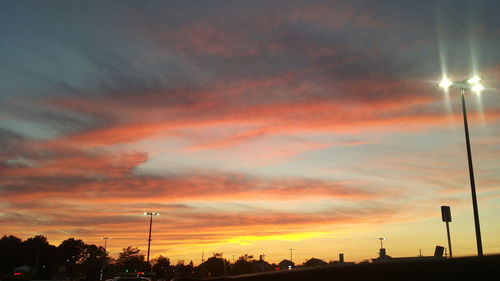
<point x="446" y="213"/>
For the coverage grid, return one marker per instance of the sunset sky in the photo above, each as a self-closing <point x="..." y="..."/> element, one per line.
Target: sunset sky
<point x="251" y="126"/>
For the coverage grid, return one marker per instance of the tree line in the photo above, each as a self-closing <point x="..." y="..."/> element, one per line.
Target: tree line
<point x="36" y="258"/>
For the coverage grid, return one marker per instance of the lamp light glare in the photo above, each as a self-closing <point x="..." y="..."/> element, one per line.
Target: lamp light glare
<point x="477" y="88"/>
<point x="445" y="83"/>
<point x="474" y="80"/>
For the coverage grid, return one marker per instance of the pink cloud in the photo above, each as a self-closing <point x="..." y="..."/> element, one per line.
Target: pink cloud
<point x="337" y="16"/>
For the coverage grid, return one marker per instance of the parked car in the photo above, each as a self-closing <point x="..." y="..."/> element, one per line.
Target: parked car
<point x="130" y="278"/>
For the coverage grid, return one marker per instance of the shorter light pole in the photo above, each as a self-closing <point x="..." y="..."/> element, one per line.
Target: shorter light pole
<point x="150" y="214"/>
<point x="381" y="239"/>
<point x="105" y="252"/>
<point x="382" y="252"/>
<point x="105" y="239"/>
<point x="446" y="215"/>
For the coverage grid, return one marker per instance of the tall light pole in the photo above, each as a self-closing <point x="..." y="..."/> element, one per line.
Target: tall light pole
<point x="150" y="214"/>
<point x="471" y="84"/>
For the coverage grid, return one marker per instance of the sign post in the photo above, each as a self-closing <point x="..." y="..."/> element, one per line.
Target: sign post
<point x="446" y="215"/>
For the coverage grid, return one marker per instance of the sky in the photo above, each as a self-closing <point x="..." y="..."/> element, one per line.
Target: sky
<point x="252" y="127"/>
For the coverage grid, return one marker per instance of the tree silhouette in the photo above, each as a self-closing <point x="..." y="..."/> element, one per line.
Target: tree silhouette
<point x="10" y="256"/>
<point x="70" y="253"/>
<point x="286" y="264"/>
<point x="214" y="266"/>
<point x="93" y="259"/>
<point x="129" y="260"/>
<point x="162" y="268"/>
<point x="244" y="265"/>
<point x="39" y="255"/>
<point x="72" y="259"/>
<point x="315" y="262"/>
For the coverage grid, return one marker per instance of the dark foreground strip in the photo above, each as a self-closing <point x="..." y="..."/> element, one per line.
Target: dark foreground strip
<point x="468" y="268"/>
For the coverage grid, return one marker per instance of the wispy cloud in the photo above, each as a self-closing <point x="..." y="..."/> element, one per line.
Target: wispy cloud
<point x="237" y="119"/>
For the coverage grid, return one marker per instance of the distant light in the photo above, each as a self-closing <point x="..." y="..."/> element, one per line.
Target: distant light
<point x="289" y="267"/>
<point x="17" y="273"/>
<point x="474" y="80"/>
<point x="445" y="83"/>
<point x="477" y="88"/>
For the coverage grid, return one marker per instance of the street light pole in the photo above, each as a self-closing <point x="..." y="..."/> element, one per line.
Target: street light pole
<point x="471" y="84"/>
<point x="105" y="252"/>
<point x="381" y="239"/>
<point x="471" y="176"/>
<point x="105" y="239"/>
<point x="149" y="239"/>
<point x="150" y="214"/>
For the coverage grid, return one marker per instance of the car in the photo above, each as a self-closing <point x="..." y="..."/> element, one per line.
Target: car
<point x="131" y="278"/>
